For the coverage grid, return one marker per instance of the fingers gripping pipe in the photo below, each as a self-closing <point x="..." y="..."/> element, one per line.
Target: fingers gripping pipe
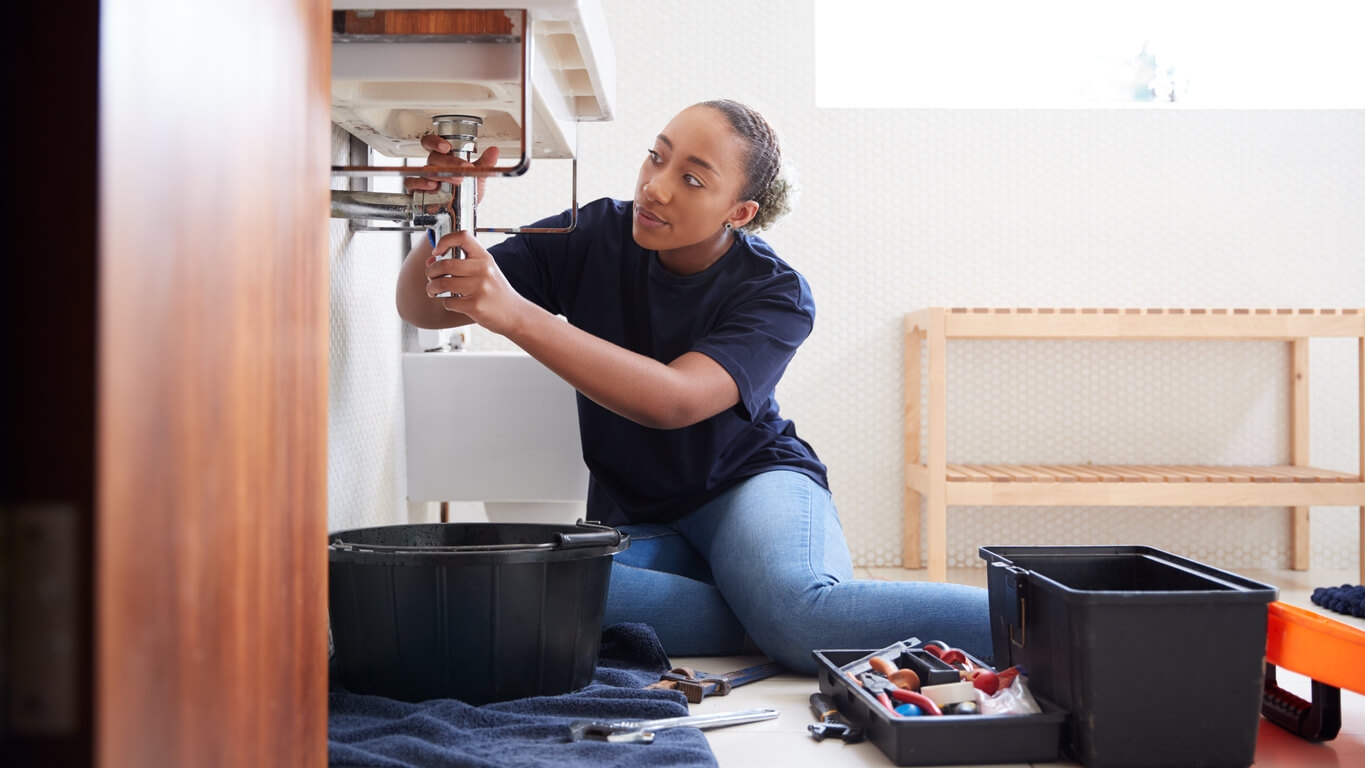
<point x="418" y="210"/>
<point x="462" y="131"/>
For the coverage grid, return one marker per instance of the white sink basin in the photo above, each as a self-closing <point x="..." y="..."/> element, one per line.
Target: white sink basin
<point x="492" y="427"/>
<point x="387" y="92"/>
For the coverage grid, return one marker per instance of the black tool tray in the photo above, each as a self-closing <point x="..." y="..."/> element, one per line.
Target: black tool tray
<point x="941" y="740"/>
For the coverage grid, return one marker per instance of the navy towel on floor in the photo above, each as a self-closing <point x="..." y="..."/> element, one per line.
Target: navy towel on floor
<point x="377" y="732"/>
<point x="1348" y="599"/>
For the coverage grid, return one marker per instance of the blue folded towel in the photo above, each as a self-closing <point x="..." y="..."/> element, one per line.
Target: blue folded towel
<point x="1348" y="599"/>
<point x="375" y="732"/>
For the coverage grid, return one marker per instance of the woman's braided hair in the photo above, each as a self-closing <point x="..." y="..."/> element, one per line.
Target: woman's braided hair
<point x="764" y="183"/>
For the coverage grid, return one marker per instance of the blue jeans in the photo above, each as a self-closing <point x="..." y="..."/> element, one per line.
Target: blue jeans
<point x="767" y="562"/>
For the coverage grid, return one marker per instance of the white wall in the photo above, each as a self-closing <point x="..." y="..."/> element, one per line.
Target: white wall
<point x="903" y="209"/>
<point x="365" y="455"/>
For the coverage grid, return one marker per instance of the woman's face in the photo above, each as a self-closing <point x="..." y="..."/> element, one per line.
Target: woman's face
<point x="689" y="186"/>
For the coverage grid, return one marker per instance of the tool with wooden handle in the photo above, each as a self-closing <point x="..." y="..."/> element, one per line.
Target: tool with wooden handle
<point x="698" y="685"/>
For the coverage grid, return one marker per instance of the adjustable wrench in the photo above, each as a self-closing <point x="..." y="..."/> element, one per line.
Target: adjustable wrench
<point x="642" y="731"/>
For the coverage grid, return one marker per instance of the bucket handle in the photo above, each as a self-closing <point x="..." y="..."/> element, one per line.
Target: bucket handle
<point x="344" y="546"/>
<point x="597" y="535"/>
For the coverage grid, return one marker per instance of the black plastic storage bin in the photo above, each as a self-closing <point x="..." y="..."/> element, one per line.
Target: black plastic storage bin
<point x="1159" y="659"/>
<point x="945" y="740"/>
<point x="480" y="612"/>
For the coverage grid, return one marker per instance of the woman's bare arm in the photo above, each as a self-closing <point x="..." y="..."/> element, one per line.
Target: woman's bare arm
<point x="664" y="396"/>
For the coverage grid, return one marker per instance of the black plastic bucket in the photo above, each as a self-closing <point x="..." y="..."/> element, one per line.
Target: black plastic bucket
<point x="480" y="612"/>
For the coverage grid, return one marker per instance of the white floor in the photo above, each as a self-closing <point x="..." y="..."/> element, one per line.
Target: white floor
<point x="786" y="741"/>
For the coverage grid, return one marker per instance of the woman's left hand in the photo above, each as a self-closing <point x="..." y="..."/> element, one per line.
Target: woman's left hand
<point x="477" y="288"/>
<point x="439" y="156"/>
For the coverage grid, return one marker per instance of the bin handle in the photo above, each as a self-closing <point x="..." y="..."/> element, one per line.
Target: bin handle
<point x="1016" y="602"/>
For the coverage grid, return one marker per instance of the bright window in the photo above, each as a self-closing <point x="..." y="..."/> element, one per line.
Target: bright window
<point x="1258" y="54"/>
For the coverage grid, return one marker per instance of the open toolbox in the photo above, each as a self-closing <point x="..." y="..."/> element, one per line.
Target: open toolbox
<point x="942" y="739"/>
<point x="1159" y="659"/>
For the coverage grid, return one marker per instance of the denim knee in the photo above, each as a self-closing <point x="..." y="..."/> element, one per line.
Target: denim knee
<point x="867" y="615"/>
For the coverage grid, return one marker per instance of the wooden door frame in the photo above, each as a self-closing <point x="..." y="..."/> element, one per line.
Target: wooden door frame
<point x="167" y="336"/>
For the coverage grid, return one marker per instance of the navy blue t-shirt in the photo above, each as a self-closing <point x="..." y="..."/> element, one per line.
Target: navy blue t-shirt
<point x="749" y="312"/>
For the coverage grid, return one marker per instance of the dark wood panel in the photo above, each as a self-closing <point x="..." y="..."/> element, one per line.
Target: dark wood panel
<point x="422" y="22"/>
<point x="212" y="386"/>
<point x="47" y="356"/>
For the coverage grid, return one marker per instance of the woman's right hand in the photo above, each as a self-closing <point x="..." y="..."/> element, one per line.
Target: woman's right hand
<point x="474" y="286"/>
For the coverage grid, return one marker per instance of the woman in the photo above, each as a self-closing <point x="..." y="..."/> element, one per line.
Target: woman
<point x="680" y="324"/>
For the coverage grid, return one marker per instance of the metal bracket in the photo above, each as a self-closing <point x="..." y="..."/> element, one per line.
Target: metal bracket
<point x="359" y="167"/>
<point x="523" y="164"/>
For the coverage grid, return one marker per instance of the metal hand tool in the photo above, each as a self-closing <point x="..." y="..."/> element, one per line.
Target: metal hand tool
<point x="884" y="691"/>
<point x="642" y="731"/>
<point x="879" y="687"/>
<point x="832" y="724"/>
<point x="697" y="685"/>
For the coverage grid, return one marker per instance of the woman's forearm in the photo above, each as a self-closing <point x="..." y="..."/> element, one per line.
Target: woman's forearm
<point x="655" y="394"/>
<point x="663" y="396"/>
<point x="414" y="305"/>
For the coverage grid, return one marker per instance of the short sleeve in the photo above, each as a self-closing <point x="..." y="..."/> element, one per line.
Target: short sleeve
<point x="757" y="338"/>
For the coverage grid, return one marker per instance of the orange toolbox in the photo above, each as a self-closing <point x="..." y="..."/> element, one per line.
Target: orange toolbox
<point x="1329" y="652"/>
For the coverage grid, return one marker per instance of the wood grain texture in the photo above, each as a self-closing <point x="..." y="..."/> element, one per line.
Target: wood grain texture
<point x="1299" y="419"/>
<point x="910" y="512"/>
<point x="422" y="22"/>
<point x="1111" y="323"/>
<point x="211" y="581"/>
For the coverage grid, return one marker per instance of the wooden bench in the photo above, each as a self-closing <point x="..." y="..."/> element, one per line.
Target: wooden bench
<point x="932" y="484"/>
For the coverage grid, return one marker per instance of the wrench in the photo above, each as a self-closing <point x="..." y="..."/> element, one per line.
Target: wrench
<point x="642" y="731"/>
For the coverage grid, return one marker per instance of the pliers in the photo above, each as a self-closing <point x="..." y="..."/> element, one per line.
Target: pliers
<point x="883" y="690"/>
<point x="950" y="655"/>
